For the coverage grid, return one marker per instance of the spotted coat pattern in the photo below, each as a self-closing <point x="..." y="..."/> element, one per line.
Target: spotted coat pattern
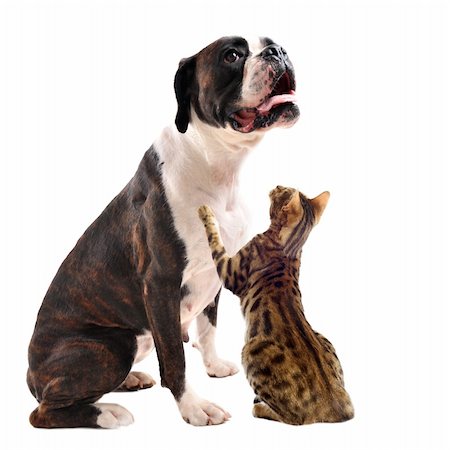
<point x="293" y="370"/>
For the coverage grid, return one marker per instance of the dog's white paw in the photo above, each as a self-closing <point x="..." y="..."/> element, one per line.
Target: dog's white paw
<point x="215" y="366"/>
<point x="220" y="368"/>
<point x="199" y="412"/>
<point x="113" y="416"/>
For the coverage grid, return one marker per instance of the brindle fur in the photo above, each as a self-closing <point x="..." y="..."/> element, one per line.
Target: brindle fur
<point x="84" y="341"/>
<point x="293" y="370"/>
<point x="124" y="277"/>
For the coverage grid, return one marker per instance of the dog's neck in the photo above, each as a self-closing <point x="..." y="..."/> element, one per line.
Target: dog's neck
<point x="210" y="157"/>
<point x="222" y="150"/>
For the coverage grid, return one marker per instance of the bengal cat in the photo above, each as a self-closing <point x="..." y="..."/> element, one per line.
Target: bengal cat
<point x="294" y="371"/>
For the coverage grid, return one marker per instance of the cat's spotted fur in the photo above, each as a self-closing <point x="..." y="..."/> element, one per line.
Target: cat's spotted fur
<point x="293" y="370"/>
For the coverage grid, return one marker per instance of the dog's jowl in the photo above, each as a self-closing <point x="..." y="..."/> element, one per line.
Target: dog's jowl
<point x="142" y="272"/>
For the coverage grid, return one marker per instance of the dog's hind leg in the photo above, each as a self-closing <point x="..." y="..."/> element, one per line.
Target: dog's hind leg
<point x="74" y="375"/>
<point x="94" y="415"/>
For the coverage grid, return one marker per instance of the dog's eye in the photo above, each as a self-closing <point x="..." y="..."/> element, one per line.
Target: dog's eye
<point x="232" y="56"/>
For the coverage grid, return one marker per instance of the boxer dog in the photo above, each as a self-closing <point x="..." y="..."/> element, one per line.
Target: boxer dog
<point x="142" y="272"/>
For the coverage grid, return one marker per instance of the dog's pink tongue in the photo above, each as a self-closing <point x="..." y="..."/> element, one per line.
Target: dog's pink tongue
<point x="276" y="100"/>
<point x="246" y="117"/>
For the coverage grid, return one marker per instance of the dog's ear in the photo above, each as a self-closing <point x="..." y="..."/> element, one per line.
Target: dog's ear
<point x="184" y="87"/>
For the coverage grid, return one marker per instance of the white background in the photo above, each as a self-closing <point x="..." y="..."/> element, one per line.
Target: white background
<point x="86" y="86"/>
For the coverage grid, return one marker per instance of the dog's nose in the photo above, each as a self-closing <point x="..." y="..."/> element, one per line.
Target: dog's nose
<point x="274" y="50"/>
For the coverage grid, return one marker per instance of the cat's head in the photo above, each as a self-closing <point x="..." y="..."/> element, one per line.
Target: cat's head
<point x="293" y="215"/>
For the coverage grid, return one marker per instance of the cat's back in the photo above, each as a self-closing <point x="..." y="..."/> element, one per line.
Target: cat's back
<point x="289" y="366"/>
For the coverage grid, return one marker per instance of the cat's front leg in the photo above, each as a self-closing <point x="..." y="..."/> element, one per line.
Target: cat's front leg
<point x="206" y="329"/>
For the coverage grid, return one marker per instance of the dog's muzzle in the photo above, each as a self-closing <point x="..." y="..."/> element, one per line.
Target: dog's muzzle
<point x="279" y="104"/>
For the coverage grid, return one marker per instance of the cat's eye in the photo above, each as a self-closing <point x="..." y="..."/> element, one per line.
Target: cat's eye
<point x="231" y="56"/>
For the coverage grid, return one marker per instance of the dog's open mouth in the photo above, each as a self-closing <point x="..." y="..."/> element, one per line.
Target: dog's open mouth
<point x="280" y="100"/>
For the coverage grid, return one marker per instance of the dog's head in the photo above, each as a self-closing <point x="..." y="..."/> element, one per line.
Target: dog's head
<point x="244" y="85"/>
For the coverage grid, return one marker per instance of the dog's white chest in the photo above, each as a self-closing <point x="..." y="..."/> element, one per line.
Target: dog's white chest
<point x="200" y="275"/>
<point x="196" y="172"/>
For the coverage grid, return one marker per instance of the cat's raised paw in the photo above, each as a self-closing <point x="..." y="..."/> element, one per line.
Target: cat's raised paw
<point x="205" y="213"/>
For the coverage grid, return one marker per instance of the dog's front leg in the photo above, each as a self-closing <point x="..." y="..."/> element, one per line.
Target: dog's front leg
<point x="206" y="329"/>
<point x="162" y="302"/>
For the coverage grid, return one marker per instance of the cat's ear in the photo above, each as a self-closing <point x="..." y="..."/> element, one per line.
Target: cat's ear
<point x="319" y="203"/>
<point x="293" y="208"/>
